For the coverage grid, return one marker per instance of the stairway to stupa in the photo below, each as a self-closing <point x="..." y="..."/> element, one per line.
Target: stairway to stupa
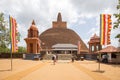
<point x="60" y="56"/>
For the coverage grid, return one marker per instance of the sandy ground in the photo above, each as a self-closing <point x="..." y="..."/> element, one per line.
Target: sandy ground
<point x="111" y="71"/>
<point x="63" y="70"/>
<point x="19" y="65"/>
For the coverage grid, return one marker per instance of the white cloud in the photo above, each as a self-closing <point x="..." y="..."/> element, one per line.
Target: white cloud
<point x="93" y="31"/>
<point x="86" y="42"/>
<point x="82" y="22"/>
<point x="114" y="42"/>
<point x="94" y="6"/>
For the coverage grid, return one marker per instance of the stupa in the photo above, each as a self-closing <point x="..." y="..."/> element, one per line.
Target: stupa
<point x="60" y="34"/>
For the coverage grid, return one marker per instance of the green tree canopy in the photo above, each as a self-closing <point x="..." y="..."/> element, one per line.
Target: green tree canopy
<point x="21" y="49"/>
<point x="4" y="34"/>
<point x="117" y="22"/>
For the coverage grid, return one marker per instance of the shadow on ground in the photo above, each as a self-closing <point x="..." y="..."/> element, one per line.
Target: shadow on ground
<point x="99" y="71"/>
<point x="5" y="70"/>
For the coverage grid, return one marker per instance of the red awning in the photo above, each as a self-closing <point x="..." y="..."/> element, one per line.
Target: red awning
<point x="109" y="49"/>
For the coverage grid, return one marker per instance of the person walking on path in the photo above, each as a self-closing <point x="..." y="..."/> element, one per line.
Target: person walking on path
<point x="72" y="59"/>
<point x="54" y="59"/>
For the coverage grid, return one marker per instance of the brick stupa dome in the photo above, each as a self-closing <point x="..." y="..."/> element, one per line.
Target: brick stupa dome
<point x="59" y="34"/>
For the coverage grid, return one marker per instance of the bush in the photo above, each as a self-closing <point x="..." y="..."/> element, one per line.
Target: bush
<point x="8" y="55"/>
<point x="22" y="49"/>
<point x="4" y="50"/>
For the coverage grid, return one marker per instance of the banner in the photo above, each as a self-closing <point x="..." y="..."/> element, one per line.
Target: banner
<point x="105" y="29"/>
<point x="13" y="34"/>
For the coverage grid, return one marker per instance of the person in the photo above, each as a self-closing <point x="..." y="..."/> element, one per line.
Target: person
<point x="24" y="56"/>
<point x="105" y="58"/>
<point x="98" y="59"/>
<point x="72" y="58"/>
<point x="54" y="58"/>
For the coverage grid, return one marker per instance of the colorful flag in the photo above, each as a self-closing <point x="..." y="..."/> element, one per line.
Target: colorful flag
<point x="105" y="29"/>
<point x="79" y="47"/>
<point x="13" y="34"/>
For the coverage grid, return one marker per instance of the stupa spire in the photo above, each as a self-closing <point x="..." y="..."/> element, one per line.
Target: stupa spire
<point x="59" y="23"/>
<point x="59" y="18"/>
<point x="33" y="22"/>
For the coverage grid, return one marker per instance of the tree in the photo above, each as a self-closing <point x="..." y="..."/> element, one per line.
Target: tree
<point x="117" y="22"/>
<point x="4" y="34"/>
<point x="21" y="49"/>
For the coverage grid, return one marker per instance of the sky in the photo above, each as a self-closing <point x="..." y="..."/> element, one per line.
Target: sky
<point x="82" y="16"/>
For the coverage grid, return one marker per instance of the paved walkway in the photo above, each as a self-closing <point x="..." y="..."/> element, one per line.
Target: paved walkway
<point x="63" y="70"/>
<point x="60" y="71"/>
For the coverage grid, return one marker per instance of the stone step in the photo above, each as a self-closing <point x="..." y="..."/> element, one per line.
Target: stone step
<point x="60" y="57"/>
